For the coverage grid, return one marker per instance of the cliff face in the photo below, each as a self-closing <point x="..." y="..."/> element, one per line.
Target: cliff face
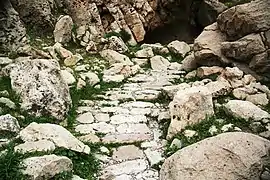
<point x="94" y="18"/>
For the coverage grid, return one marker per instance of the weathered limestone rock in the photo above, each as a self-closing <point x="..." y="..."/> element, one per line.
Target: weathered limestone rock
<point x="189" y="63"/>
<point x="159" y="63"/>
<point x="67" y="77"/>
<point x="9" y="123"/>
<point x="241" y="20"/>
<point x="90" y="78"/>
<point x="36" y="146"/>
<point x="260" y="62"/>
<point x="86" y="118"/>
<point x="245" y="110"/>
<point x="231" y="156"/>
<point x="115" y="57"/>
<point x="207" y="47"/>
<point x="242" y="93"/>
<point x="117" y="44"/>
<point x="258" y="99"/>
<point x="179" y="48"/>
<point x="73" y="60"/>
<point x="56" y="134"/>
<point x="219" y="88"/>
<point x="36" y="13"/>
<point x="207" y="71"/>
<point x="129" y="152"/>
<point x="40" y="86"/>
<point x="13" y="32"/>
<point x="243" y="49"/>
<point x="145" y="53"/>
<point x="5" y="61"/>
<point x="63" y="29"/>
<point x="154" y="157"/>
<point x="189" y="107"/>
<point x="46" y="167"/>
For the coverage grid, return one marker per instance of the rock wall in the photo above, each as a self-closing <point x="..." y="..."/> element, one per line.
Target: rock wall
<point x="241" y="37"/>
<point x="94" y="18"/>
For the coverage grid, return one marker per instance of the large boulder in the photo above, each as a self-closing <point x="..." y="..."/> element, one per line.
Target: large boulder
<point x="40" y="86"/>
<point x="207" y="47"/>
<point x="243" y="49"/>
<point x="54" y="133"/>
<point x="244" y="19"/>
<point x="230" y="156"/>
<point x="189" y="106"/>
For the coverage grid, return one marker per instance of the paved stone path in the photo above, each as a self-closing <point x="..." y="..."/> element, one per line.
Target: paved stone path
<point x="129" y="116"/>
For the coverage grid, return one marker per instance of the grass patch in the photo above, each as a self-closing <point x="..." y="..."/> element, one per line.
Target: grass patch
<point x="10" y="164"/>
<point x="84" y="165"/>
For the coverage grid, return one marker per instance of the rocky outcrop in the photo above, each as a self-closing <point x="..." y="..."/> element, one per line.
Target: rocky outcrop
<point x="226" y="156"/>
<point x="241" y="37"/>
<point x="245" y="19"/>
<point x="12" y="30"/>
<point x="40" y="86"/>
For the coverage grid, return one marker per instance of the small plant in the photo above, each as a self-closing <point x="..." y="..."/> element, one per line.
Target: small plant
<point x="84" y="165"/>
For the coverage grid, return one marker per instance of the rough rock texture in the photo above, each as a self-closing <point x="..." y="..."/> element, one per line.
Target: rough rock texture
<point x="246" y="110"/>
<point x="244" y="48"/>
<point x="46" y="167"/>
<point x="38" y="13"/>
<point x="63" y="29"/>
<point x="242" y="35"/>
<point x="244" y="19"/>
<point x="36" y="146"/>
<point x="207" y="47"/>
<point x="40" y="86"/>
<point x="12" y="30"/>
<point x="229" y="156"/>
<point x="54" y="133"/>
<point x="188" y="107"/>
<point x="9" y="123"/>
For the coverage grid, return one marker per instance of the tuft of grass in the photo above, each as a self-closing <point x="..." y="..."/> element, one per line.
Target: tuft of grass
<point x="84" y="165"/>
<point x="10" y="164"/>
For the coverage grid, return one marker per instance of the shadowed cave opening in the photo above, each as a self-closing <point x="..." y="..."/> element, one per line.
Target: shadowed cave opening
<point x="185" y="20"/>
<point x="178" y="30"/>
